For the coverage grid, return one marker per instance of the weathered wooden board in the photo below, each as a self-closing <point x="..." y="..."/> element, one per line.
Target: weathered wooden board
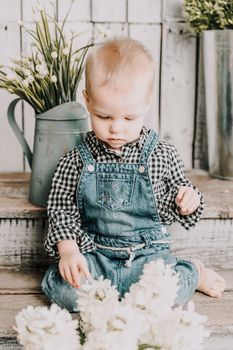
<point x="28" y="281"/>
<point x="211" y="241"/>
<point x="23" y="226"/>
<point x="177" y="89"/>
<point x="108" y="11"/>
<point x="173" y="10"/>
<point x="18" y="281"/>
<point x="29" y="7"/>
<point x="11" y="155"/>
<point x="21" y="242"/>
<point x="81" y="10"/>
<point x="10" y="305"/>
<point x="148" y="11"/>
<point x="217" y="194"/>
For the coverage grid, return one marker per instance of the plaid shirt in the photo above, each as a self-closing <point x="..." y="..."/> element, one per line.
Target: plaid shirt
<point x="166" y="173"/>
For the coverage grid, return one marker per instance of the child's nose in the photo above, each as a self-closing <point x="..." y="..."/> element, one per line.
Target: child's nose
<point x="116" y="127"/>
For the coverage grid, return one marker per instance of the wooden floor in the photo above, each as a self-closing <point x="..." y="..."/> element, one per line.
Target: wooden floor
<point x="20" y="288"/>
<point x="22" y="223"/>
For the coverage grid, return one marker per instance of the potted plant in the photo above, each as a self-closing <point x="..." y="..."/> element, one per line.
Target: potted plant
<point x="48" y="80"/>
<point x="214" y="20"/>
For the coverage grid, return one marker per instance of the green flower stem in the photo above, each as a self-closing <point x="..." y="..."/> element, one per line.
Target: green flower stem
<point x="148" y="346"/>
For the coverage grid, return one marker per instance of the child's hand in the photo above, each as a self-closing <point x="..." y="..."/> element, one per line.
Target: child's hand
<point x="72" y="267"/>
<point x="187" y="199"/>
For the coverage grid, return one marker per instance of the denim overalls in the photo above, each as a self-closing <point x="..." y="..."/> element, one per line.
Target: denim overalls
<point x="118" y="211"/>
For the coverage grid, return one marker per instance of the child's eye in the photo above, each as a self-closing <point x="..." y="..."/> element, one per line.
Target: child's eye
<point x="130" y="118"/>
<point x="102" y="117"/>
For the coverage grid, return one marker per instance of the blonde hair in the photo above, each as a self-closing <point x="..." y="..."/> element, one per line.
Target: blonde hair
<point x="116" y="60"/>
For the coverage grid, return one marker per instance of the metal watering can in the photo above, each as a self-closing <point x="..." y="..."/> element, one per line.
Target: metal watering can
<point x="57" y="131"/>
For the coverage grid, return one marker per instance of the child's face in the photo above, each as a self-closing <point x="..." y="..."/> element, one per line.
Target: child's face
<point x="117" y="117"/>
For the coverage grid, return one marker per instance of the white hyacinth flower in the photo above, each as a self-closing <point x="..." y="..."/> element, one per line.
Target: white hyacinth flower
<point x="26" y="72"/>
<point x="39" y="67"/>
<point x="25" y="60"/>
<point x="93" y="297"/>
<point x="53" y="79"/>
<point x="25" y="83"/>
<point x="157" y="289"/>
<point x="177" y="330"/>
<point x="41" y="328"/>
<point x="30" y="79"/>
<point x="120" y="329"/>
<point x="11" y="76"/>
<point x="54" y="54"/>
<point x="66" y="51"/>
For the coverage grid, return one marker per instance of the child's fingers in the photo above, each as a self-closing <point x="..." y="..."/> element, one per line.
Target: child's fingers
<point x="76" y="277"/>
<point x="68" y="276"/>
<point x="188" y="200"/>
<point x="181" y="192"/>
<point x="84" y="269"/>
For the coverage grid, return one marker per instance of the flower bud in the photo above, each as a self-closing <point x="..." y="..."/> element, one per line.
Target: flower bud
<point x="54" y="54"/>
<point x="66" y="51"/>
<point x="53" y="79"/>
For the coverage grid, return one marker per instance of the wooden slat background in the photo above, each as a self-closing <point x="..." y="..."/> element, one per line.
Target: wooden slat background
<point x="178" y="112"/>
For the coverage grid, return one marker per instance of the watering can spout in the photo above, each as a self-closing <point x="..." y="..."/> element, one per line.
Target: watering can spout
<point x="19" y="134"/>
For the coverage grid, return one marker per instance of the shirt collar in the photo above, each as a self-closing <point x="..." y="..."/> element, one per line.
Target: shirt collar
<point x="96" y="145"/>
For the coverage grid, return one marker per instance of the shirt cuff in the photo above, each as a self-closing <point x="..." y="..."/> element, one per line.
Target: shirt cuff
<point x="188" y="221"/>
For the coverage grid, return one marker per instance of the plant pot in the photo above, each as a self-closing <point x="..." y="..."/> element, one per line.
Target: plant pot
<point x="57" y="131"/>
<point x="218" y="70"/>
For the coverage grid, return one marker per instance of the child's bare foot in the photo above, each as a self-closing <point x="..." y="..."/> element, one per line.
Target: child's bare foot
<point x="210" y="282"/>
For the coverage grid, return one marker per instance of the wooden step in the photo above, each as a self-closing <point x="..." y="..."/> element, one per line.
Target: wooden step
<point x="20" y="288"/>
<point x="23" y="225"/>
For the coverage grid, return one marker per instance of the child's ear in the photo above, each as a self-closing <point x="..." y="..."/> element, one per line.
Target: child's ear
<point x="86" y="98"/>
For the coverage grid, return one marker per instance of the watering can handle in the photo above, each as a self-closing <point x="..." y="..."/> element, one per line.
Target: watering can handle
<point x="17" y="131"/>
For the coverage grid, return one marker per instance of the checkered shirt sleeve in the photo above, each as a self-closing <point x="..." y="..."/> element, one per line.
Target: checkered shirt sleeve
<point x="63" y="214"/>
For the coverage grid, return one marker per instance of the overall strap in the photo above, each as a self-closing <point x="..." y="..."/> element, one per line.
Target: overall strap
<point x="85" y="154"/>
<point x="148" y="146"/>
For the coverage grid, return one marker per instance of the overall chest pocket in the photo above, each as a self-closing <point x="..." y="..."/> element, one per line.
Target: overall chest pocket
<point x="114" y="191"/>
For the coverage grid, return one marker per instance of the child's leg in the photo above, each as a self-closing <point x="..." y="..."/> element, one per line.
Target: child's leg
<point x="210" y="282"/>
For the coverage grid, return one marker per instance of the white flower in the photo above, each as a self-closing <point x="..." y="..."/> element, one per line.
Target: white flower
<point x="95" y="297"/>
<point x="20" y="23"/>
<point x="177" y="330"/>
<point x="53" y="78"/>
<point x="25" y="83"/>
<point x="54" y="54"/>
<point x="11" y="76"/>
<point x="41" y="328"/>
<point x="30" y="79"/>
<point x="120" y="329"/>
<point x="99" y="29"/>
<point x="25" y="60"/>
<point x="66" y="51"/>
<point x="42" y="70"/>
<point x="38" y="67"/>
<point x="26" y="72"/>
<point x="156" y="290"/>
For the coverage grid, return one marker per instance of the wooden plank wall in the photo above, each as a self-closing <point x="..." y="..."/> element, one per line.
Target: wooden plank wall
<point x="159" y="24"/>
